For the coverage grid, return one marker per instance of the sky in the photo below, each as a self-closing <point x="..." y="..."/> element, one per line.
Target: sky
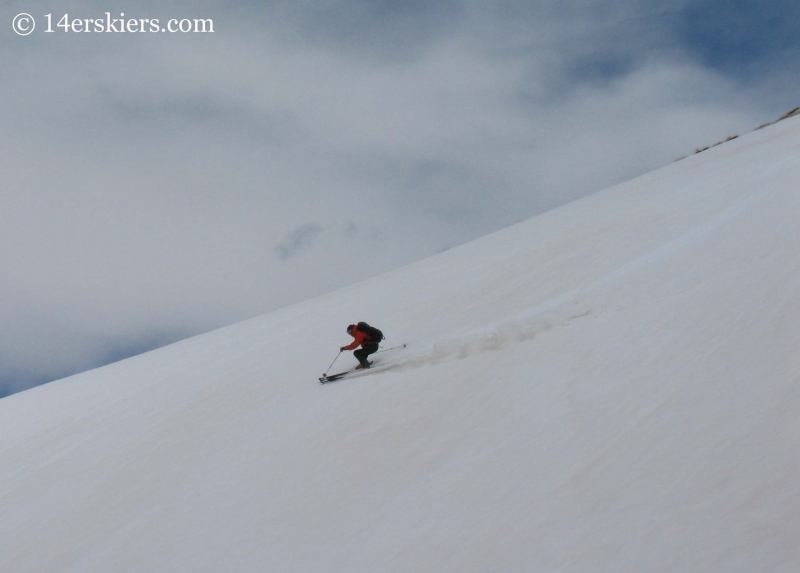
<point x="159" y="185"/>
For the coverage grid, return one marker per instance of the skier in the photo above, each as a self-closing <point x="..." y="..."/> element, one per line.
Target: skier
<point x="365" y="336"/>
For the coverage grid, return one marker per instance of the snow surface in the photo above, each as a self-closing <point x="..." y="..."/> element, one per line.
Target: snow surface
<point x="611" y="386"/>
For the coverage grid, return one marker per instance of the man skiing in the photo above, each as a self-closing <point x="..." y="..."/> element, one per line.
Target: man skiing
<point x="365" y="336"/>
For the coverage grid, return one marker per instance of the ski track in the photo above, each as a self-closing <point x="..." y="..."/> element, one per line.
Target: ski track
<point x="518" y="330"/>
<point x="559" y="311"/>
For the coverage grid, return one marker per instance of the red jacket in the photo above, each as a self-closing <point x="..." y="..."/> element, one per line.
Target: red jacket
<point x="360" y="338"/>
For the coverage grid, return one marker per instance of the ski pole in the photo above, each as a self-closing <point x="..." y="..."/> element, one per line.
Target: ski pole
<point x="334" y="360"/>
<point x="387" y="349"/>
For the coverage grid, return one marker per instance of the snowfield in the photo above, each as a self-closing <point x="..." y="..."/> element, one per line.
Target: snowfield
<point x="612" y="386"/>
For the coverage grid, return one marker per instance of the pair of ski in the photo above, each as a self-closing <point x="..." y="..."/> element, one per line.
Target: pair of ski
<point x="333" y="377"/>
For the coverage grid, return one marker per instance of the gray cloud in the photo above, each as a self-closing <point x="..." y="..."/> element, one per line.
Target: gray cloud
<point x="297" y="241"/>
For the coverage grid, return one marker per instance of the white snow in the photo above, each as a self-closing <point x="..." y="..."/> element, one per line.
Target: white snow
<point x="612" y="386"/>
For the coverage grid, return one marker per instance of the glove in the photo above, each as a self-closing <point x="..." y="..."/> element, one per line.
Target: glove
<point x="342" y="349"/>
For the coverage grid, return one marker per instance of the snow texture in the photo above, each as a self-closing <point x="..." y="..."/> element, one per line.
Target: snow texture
<point x="611" y="386"/>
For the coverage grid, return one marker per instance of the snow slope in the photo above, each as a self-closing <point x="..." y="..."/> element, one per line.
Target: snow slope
<point x="611" y="386"/>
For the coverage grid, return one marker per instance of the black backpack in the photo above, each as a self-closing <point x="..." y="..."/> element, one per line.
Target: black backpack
<point x="375" y="334"/>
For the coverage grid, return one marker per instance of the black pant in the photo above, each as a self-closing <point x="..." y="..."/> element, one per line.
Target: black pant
<point x="365" y="350"/>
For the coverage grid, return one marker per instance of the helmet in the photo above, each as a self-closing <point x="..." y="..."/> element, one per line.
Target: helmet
<point x="350" y="328"/>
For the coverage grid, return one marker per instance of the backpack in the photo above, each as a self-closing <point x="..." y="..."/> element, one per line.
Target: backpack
<point x="375" y="334"/>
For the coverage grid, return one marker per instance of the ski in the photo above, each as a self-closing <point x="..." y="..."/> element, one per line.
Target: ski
<point x="333" y="377"/>
<point x="360" y="372"/>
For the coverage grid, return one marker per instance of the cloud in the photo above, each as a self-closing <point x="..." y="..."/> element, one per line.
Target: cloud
<point x="297" y="241"/>
<point x="145" y="176"/>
